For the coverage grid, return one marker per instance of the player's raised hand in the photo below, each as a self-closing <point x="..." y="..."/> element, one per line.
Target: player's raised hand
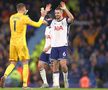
<point x="43" y="12"/>
<point x="63" y="5"/>
<point x="48" y="7"/>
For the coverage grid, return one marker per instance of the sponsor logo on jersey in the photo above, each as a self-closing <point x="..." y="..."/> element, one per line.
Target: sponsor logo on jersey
<point x="58" y="28"/>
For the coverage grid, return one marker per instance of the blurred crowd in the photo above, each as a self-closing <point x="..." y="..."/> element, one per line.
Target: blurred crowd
<point x="88" y="39"/>
<point x="89" y="43"/>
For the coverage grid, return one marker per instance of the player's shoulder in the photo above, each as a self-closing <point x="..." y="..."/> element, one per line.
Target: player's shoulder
<point x="64" y="18"/>
<point x="13" y="15"/>
<point x="48" y="27"/>
<point x="16" y="15"/>
<point x="53" y="21"/>
<point x="25" y="16"/>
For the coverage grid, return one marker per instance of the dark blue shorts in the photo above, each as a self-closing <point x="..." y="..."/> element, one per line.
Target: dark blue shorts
<point x="58" y="53"/>
<point x="44" y="57"/>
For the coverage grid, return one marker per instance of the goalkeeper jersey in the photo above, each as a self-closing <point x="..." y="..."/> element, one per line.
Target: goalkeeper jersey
<point x="18" y="25"/>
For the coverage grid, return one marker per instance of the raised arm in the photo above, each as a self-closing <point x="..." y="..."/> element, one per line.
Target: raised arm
<point x="70" y="16"/>
<point x="47" y="9"/>
<point x="41" y="20"/>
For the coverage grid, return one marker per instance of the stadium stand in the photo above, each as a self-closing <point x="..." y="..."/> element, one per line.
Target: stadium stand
<point x="88" y="42"/>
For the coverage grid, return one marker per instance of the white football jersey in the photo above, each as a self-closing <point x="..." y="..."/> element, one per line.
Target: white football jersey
<point x="47" y="38"/>
<point x="59" y="33"/>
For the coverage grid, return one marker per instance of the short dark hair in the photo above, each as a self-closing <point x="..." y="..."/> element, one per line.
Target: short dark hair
<point x="58" y="8"/>
<point x="20" y="6"/>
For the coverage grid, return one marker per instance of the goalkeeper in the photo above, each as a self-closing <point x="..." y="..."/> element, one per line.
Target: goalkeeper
<point x="18" y="45"/>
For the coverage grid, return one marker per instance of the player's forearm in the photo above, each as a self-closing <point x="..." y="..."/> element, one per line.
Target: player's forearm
<point x="45" y="22"/>
<point x="71" y="17"/>
<point x="40" y="22"/>
<point x="36" y="24"/>
<point x="47" y="48"/>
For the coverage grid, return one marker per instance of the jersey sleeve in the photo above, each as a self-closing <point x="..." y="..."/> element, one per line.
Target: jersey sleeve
<point x="33" y="23"/>
<point x="52" y="24"/>
<point x="67" y="21"/>
<point x="47" y="30"/>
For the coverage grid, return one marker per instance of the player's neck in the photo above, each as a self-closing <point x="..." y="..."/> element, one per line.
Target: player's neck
<point x="20" y="12"/>
<point x="60" y="19"/>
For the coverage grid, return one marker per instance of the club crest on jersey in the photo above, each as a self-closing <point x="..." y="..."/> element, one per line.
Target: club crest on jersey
<point x="58" y="28"/>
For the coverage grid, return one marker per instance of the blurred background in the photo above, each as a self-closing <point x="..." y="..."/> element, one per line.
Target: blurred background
<point x="88" y="42"/>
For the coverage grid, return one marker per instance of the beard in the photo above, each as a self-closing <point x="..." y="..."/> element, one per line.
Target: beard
<point x="57" y="17"/>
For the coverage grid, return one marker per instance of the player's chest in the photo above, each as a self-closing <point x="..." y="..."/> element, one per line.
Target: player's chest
<point x="59" y="26"/>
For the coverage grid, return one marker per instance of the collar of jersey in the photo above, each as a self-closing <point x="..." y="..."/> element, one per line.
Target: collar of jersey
<point x="59" y="20"/>
<point x="20" y="13"/>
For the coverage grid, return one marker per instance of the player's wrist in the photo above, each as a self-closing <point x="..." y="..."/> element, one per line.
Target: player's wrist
<point x="64" y="8"/>
<point x="42" y="18"/>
